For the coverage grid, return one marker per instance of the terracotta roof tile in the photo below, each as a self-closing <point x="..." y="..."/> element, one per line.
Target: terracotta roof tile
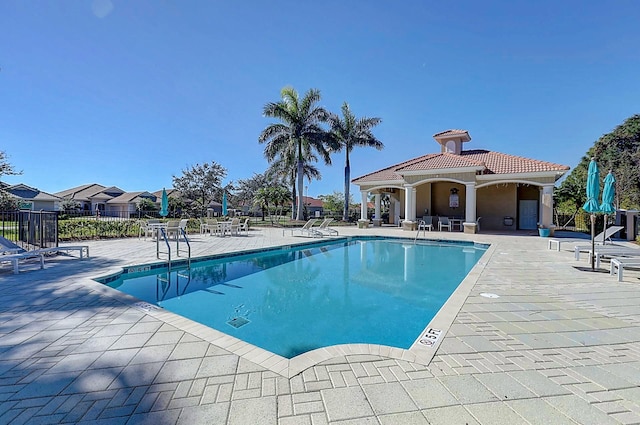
<point x="450" y="132"/>
<point x="494" y="163"/>
<point x="501" y="163"/>
<point x="441" y="161"/>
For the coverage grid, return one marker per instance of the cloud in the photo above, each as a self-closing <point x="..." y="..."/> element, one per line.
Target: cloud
<point x="102" y="8"/>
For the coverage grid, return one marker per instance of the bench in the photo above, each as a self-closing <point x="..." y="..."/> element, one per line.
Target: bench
<point x="14" y="258"/>
<point x="621" y="263"/>
<point x="80" y="248"/>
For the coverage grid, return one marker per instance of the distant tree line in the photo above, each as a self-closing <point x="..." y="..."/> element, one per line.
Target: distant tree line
<point x="618" y="152"/>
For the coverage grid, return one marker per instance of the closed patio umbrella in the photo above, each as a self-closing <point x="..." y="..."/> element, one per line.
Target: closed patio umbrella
<point x="591" y="206"/>
<point x="224" y="203"/>
<point x="164" y="204"/>
<point x="608" y="195"/>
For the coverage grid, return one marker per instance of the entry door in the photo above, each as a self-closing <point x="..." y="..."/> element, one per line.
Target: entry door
<point x="528" y="215"/>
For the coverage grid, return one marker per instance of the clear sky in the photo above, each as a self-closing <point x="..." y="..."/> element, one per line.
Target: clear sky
<point x="130" y="93"/>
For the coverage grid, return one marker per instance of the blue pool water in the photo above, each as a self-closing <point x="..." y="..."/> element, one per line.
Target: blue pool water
<point x="289" y="301"/>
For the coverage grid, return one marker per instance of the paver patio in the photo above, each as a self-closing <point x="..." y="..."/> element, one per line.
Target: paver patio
<point x="560" y="345"/>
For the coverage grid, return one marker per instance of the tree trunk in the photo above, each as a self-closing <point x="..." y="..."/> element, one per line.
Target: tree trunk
<point x="347" y="172"/>
<point x="300" y="215"/>
<point x="293" y="198"/>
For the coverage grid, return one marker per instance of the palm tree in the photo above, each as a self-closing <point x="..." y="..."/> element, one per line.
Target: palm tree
<point x="299" y="129"/>
<point x="261" y="199"/>
<point x="350" y="132"/>
<point x="284" y="170"/>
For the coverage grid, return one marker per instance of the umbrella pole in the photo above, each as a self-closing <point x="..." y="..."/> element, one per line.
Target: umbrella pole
<point x="593" y="243"/>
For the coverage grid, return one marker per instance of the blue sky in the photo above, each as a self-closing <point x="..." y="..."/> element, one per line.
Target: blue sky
<point x="129" y="93"/>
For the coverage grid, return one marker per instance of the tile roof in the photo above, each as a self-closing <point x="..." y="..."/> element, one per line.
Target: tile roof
<point x="450" y="133"/>
<point x="492" y="163"/>
<point x="129" y="197"/>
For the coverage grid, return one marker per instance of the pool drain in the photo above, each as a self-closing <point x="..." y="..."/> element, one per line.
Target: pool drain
<point x="238" y="322"/>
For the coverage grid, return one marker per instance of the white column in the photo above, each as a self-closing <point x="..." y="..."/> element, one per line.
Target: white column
<point x="363" y="206"/>
<point x="408" y="205"/>
<point x="378" y="214"/>
<point x="470" y="202"/>
<point x="546" y="205"/>
<point x="414" y="191"/>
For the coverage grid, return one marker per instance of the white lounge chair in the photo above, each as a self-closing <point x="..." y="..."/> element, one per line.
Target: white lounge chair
<point x="82" y="249"/>
<point x="307" y="229"/>
<point x="614" y="253"/>
<point x="611" y="249"/>
<point x="620" y="263"/>
<point x="325" y="229"/>
<point x="599" y="239"/>
<point x="15" y="258"/>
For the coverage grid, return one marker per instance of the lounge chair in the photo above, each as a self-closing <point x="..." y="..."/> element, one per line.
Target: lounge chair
<point x="308" y="229"/>
<point x="612" y="249"/>
<point x="443" y="222"/>
<point x="82" y="249"/>
<point x="599" y="239"/>
<point x="15" y="258"/>
<point x="325" y="229"/>
<point x="621" y="263"/>
<point x="614" y="252"/>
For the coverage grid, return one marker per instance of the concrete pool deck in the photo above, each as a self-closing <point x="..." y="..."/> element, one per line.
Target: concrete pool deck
<point x="560" y="345"/>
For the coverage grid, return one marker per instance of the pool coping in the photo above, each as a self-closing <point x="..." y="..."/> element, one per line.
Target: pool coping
<point x="419" y="353"/>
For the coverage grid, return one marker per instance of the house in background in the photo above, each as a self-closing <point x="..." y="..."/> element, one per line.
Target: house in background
<point x="109" y="201"/>
<point x="508" y="192"/>
<point x="314" y="206"/>
<point x="30" y="198"/>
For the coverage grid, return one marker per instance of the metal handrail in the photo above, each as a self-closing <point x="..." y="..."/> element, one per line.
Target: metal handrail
<point x="166" y="241"/>
<point x="188" y="251"/>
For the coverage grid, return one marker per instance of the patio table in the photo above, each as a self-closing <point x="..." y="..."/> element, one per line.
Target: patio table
<point x="456" y="222"/>
<point x="224" y="227"/>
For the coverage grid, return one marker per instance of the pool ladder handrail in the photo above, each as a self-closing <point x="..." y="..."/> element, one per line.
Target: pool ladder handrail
<point x="178" y="250"/>
<point x="418" y="232"/>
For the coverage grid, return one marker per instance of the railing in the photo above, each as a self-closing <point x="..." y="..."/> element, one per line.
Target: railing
<point x="30" y="229"/>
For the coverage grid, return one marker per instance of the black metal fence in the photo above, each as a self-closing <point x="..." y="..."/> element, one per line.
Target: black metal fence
<point x="30" y="229"/>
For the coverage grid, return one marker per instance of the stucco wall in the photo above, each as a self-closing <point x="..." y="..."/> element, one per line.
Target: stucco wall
<point x="440" y="192"/>
<point x="494" y="203"/>
<point x="423" y="199"/>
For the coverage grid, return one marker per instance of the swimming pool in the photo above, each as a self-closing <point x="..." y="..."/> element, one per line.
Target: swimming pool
<point x="290" y="301"/>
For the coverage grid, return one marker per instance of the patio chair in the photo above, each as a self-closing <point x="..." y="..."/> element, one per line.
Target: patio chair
<point x="325" y="229"/>
<point x="426" y="223"/>
<point x="173" y="228"/>
<point x="444" y="222"/>
<point x="308" y="229"/>
<point x="244" y="226"/>
<point x="145" y="229"/>
<point x="183" y="225"/>
<point x="211" y="226"/>
<point x="235" y="226"/>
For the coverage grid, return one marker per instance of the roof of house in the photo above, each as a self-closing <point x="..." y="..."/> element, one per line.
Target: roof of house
<point x="171" y="193"/>
<point x="311" y="202"/>
<point x="23" y="191"/>
<point x="451" y="133"/>
<point x="488" y="162"/>
<point x="129" y="197"/>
